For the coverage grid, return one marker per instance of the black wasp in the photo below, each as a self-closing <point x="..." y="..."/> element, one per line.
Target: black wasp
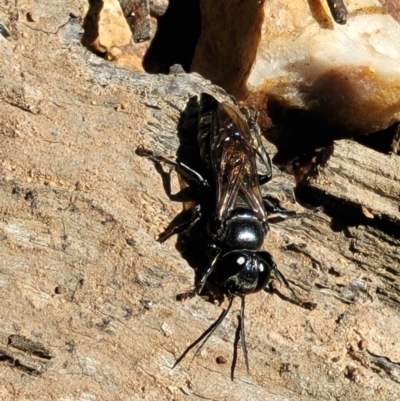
<point x="227" y="202"/>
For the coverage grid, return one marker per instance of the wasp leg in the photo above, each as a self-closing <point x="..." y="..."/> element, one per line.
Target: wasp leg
<point x="272" y="264"/>
<point x="281" y="278"/>
<point x="183" y="222"/>
<point x="185" y="171"/>
<point x="264" y="178"/>
<point x="203" y="277"/>
<point x="294" y="299"/>
<point x="287" y="214"/>
<point x="185" y="295"/>
<point x="272" y="206"/>
<point x="184" y="195"/>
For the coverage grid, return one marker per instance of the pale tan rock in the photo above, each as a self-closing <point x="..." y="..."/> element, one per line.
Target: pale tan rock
<point x="112" y="28"/>
<point x="228" y="42"/>
<point x="107" y="31"/>
<point x="347" y="73"/>
<point x="130" y="62"/>
<point x="294" y="53"/>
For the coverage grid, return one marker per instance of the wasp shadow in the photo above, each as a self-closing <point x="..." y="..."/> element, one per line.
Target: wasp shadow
<point x="193" y="245"/>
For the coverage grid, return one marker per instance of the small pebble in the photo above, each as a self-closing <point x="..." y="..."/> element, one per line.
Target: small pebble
<point x="30" y="17"/>
<point x="59" y="289"/>
<point x="363" y="344"/>
<point x="114" y="54"/>
<point x="221" y="360"/>
<point x="352" y="373"/>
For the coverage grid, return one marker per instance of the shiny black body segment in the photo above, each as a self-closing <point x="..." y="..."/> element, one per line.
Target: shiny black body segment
<point x="225" y="199"/>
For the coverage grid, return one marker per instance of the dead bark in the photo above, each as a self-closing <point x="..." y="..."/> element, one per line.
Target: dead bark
<point x="83" y="278"/>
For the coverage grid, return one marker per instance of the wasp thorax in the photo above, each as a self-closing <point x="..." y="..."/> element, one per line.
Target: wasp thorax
<point x="244" y="231"/>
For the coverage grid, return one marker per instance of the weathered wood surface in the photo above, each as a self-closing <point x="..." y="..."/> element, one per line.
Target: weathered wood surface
<point x="360" y="190"/>
<point x="82" y="274"/>
<point x="362" y="178"/>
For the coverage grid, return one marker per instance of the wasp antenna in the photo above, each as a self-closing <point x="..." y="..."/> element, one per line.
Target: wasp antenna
<point x="214" y="326"/>
<point x="235" y="348"/>
<point x="206" y="335"/>
<point x="246" y="359"/>
<point x="240" y="335"/>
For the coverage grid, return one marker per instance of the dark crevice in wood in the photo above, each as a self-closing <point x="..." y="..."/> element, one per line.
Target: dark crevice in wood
<point x="298" y="133"/>
<point x="345" y="214"/>
<point x="175" y="40"/>
<point x="382" y="141"/>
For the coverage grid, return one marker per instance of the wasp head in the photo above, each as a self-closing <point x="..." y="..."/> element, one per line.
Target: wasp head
<point x="241" y="273"/>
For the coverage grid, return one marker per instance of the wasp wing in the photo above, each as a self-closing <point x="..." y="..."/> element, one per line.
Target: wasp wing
<point x="234" y="162"/>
